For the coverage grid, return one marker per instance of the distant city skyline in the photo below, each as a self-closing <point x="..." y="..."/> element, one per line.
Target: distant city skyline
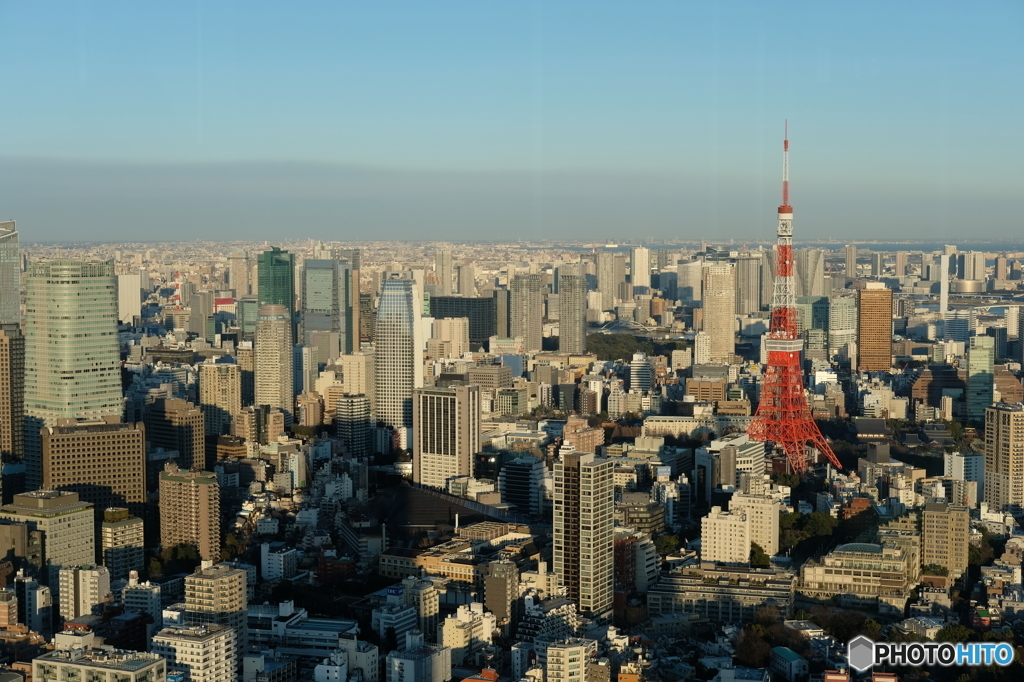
<point x="459" y="121"/>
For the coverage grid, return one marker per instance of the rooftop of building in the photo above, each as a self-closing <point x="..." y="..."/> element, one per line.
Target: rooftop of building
<point x="198" y="633"/>
<point x="103" y="657"/>
<point x="788" y="654"/>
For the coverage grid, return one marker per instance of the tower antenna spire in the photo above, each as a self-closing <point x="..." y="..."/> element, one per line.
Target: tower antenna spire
<point x="783" y="416"/>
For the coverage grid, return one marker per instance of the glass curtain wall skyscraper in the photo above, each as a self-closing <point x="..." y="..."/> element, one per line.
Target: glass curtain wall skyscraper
<point x="276" y="277"/>
<point x="72" y="358"/>
<point x="326" y="312"/>
<point x="395" y="356"/>
<point x="10" y="274"/>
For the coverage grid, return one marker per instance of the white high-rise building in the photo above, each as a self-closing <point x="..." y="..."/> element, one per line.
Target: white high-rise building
<point x="567" y="660"/>
<point x="719" y="310"/>
<point x="763" y="515"/>
<point x="725" y="536"/>
<point x="397" y="358"/>
<point x="238" y="272"/>
<point x="455" y="331"/>
<point x="640" y="270"/>
<point x="702" y="348"/>
<point x="82" y="589"/>
<point x="584" y="497"/>
<point x="129" y="297"/>
<point x="966" y="466"/>
<point x="528" y="310"/>
<point x="205" y="653"/>
<point x="641" y="374"/>
<point x="275" y="357"/>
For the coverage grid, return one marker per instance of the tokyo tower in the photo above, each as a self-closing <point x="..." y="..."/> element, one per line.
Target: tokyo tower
<point x="783" y="417"/>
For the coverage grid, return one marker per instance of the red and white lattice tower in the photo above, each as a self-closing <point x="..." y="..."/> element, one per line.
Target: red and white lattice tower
<point x="783" y="416"/>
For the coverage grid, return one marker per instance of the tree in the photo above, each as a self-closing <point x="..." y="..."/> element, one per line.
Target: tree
<point x="954" y="634"/>
<point x="817" y="524"/>
<point x="758" y="557"/>
<point x="751" y="650"/>
<point x="666" y="544"/>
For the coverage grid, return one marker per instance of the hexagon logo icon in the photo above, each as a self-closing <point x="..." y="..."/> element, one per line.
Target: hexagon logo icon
<point x="860" y="652"/>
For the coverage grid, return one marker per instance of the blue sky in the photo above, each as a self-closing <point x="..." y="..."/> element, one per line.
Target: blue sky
<point x="463" y="120"/>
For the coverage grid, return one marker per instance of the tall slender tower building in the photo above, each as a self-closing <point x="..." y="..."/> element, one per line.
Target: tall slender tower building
<point x="397" y="360"/>
<point x="719" y="298"/>
<point x="446" y="433"/>
<point x="783" y="416"/>
<point x="572" y="323"/>
<point x="72" y="358"/>
<point x="874" y="327"/>
<point x="238" y="272"/>
<point x="1004" y="460"/>
<point x="190" y="510"/>
<point x="583" y="554"/>
<point x="851" y="261"/>
<point x="444" y="270"/>
<point x="220" y="395"/>
<point x="275" y="360"/>
<point x="10" y="274"/>
<point x="326" y="316"/>
<point x="276" y="270"/>
<point x="12" y="392"/>
<point x="611" y="272"/>
<point x="528" y="311"/>
<point x="640" y="270"/>
<point x="748" y="283"/>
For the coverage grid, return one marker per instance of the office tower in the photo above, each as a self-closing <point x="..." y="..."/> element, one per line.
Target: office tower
<point x="851" y="261"/>
<point x="446" y="433"/>
<point x="980" y="376"/>
<point x="220" y="395"/>
<point x="943" y="285"/>
<point x="767" y="278"/>
<point x="246" y="356"/>
<point x="641" y="374"/>
<point x="874" y="328"/>
<point x="842" y="322"/>
<point x="105" y="464"/>
<point x="203" y="653"/>
<point x="719" y="296"/>
<point x="945" y="535"/>
<point x="201" y="305"/>
<point x="216" y="594"/>
<point x="689" y="277"/>
<point x="352" y="423"/>
<point x="611" y="273"/>
<point x="10" y="274"/>
<point x="129" y="297"/>
<point x="502" y="313"/>
<point x="783" y="416"/>
<point x="528" y="311"/>
<point x="275" y="360"/>
<point x="640" y="270"/>
<point x="175" y="424"/>
<point x="190" y="510"/>
<point x="122" y="545"/>
<point x="725" y="536"/>
<point x="901" y="263"/>
<point x="397" y="363"/>
<point x="67" y="526"/>
<point x="1004" y="459"/>
<point x="277" y="279"/>
<point x="72" y="358"/>
<point x="35" y="603"/>
<point x="572" y="323"/>
<point x="481" y="313"/>
<point x="326" y="308"/>
<point x="443" y="270"/>
<point x="876" y="264"/>
<point x="82" y="588"/>
<point x="583" y="545"/>
<point x="748" y="283"/>
<point x="246" y="313"/>
<point x="357" y="373"/>
<point x="810" y="272"/>
<point x="466" y="275"/>
<point x="12" y="393"/>
<point x="238" y="272"/>
<point x="763" y="516"/>
<point x="519" y="482"/>
<point x="454" y="331"/>
<point x="1002" y="268"/>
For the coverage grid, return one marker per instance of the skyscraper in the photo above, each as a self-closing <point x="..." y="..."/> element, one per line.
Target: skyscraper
<point x="640" y="270"/>
<point x="10" y="274"/>
<point x="466" y="275"/>
<point x="176" y="424"/>
<point x="200" y="309"/>
<point x="397" y="363"/>
<point x="611" y="272"/>
<point x="583" y="527"/>
<point x="129" y="297"/>
<point x="326" y="308"/>
<point x="220" y="395"/>
<point x="980" y="376"/>
<point x="356" y="324"/>
<point x="72" y="358"/>
<point x="238" y="272"/>
<point x="352" y="423"/>
<point x="190" y="510"/>
<point x="446" y="433"/>
<point x="901" y="264"/>
<point x="748" y="283"/>
<point x="1004" y="458"/>
<point x="874" y="328"/>
<point x="481" y="312"/>
<point x="528" y="311"/>
<point x="277" y="278"/>
<point x="810" y="272"/>
<point x="12" y="392"/>
<point x="851" y="261"/>
<point x="275" y="360"/>
<point x="443" y="269"/>
<point x="572" y="323"/>
<point x="719" y="298"/>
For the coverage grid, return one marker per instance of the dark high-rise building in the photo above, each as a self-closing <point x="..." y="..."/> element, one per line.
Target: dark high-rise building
<point x="10" y="274"/>
<point x="175" y="424"/>
<point x="528" y="311"/>
<point x="352" y="423"/>
<point x="12" y="392"/>
<point x="200" y="311"/>
<point x="481" y="313"/>
<point x="276" y="277"/>
<point x="503" y="313"/>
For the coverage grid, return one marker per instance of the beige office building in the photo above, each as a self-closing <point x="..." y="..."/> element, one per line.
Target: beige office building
<point x="446" y="433"/>
<point x="216" y="594"/>
<point x="190" y="510"/>
<point x="274" y="360"/>
<point x="1004" y="457"/>
<point x="874" y="328"/>
<point x="220" y="395"/>
<point x="719" y="296"/>
<point x="945" y="532"/>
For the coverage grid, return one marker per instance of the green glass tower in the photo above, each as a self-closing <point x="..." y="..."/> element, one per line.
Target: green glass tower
<point x="276" y="277"/>
<point x="72" y="359"/>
